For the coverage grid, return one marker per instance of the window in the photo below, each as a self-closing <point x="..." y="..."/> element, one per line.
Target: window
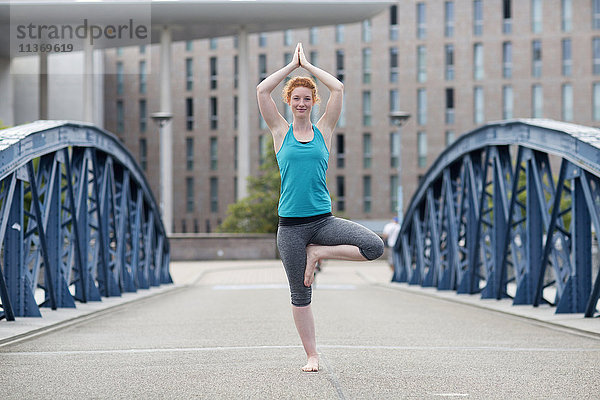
<point x="342" y="121"/>
<point x="214" y="194"/>
<point x="567" y="102"/>
<point x="449" y="105"/>
<point x="421" y="106"/>
<point x="393" y="65"/>
<point x="339" y="33"/>
<point x="366" y="64"/>
<point x="287" y="113"/>
<point x="393" y="22"/>
<point x="421" y="24"/>
<point x="235" y="112"/>
<point x="262" y="149"/>
<point x="507" y="60"/>
<point x="394" y="193"/>
<point x="478" y="106"/>
<point x="262" y="67"/>
<point x="341" y="193"/>
<point x="235" y="153"/>
<point x="262" y="40"/>
<point x="189" y="194"/>
<point x="235" y="71"/>
<point x="478" y="62"/>
<point x="213" y="113"/>
<point x="143" y="154"/>
<point x="119" y="77"/>
<point x="536" y="59"/>
<point x="143" y="115"/>
<point x="120" y="117"/>
<point x="189" y="74"/>
<point x="536" y="16"/>
<point x="143" y="49"/>
<point x="394" y="149"/>
<point x="394" y="100"/>
<point x="366" y="31"/>
<point x="189" y="153"/>
<point x="287" y="58"/>
<point x="213" y="72"/>
<point x="189" y="113"/>
<point x="595" y="14"/>
<point x="214" y="153"/>
<point x="143" y="77"/>
<point x="596" y="102"/>
<point x="537" y="101"/>
<point x="235" y="189"/>
<point x="367" y="152"/>
<point x="566" y="15"/>
<point x="313" y="36"/>
<point x="287" y="37"/>
<point x="339" y="62"/>
<point x="213" y="43"/>
<point x="421" y="64"/>
<point x="477" y="17"/>
<point x="507" y="102"/>
<point x="449" y="19"/>
<point x="449" y="61"/>
<point x="422" y="149"/>
<point x="314" y="58"/>
<point x="449" y="137"/>
<point x="367" y="194"/>
<point x="567" y="60"/>
<point x="341" y="150"/>
<point x="119" y="51"/>
<point x="507" y="16"/>
<point x="596" y="55"/>
<point x="189" y="45"/>
<point x="366" y="108"/>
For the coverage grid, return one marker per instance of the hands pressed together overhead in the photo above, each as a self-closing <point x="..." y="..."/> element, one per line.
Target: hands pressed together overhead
<point x="299" y="59"/>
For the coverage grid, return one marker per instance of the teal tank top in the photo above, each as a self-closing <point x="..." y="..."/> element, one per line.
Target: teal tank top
<point x="303" y="168"/>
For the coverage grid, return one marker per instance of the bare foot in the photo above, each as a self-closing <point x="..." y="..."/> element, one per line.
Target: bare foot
<point x="311" y="263"/>
<point x="312" y="365"/>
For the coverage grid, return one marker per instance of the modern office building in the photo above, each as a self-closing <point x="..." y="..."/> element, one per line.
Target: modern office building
<point x="453" y="65"/>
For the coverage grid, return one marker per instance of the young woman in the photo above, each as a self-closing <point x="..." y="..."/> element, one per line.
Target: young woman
<point x="307" y="231"/>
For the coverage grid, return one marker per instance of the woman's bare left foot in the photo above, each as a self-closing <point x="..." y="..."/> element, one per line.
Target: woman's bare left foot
<point x="311" y="265"/>
<point x="312" y="365"/>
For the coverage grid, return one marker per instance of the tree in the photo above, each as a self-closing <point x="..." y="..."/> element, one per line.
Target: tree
<point x="257" y="213"/>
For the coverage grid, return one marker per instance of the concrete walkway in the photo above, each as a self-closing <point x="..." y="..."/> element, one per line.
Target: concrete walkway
<point x="224" y="330"/>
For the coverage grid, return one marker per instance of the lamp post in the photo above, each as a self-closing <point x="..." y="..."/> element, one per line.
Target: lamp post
<point x="166" y="170"/>
<point x="398" y="118"/>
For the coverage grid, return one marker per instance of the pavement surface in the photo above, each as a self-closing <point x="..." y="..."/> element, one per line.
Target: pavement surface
<point x="224" y="330"/>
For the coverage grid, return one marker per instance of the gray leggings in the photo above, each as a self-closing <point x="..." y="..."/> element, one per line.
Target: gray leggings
<point x="329" y="231"/>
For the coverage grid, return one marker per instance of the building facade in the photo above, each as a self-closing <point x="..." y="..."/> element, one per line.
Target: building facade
<point x="453" y="65"/>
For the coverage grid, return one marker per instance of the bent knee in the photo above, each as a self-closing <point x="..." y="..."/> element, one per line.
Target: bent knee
<point x="374" y="249"/>
<point x="301" y="297"/>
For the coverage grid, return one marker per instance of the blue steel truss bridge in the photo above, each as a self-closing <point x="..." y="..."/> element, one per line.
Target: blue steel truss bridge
<point x="511" y="209"/>
<point x="77" y="219"/>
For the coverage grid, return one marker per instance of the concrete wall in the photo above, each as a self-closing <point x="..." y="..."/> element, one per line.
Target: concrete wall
<point x="7" y="107"/>
<point x="186" y="247"/>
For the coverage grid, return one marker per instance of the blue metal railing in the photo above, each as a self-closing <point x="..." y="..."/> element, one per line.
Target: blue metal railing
<point x="511" y="209"/>
<point x="77" y="219"/>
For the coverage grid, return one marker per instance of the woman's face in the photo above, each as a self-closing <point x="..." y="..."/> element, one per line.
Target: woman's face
<point x="301" y="101"/>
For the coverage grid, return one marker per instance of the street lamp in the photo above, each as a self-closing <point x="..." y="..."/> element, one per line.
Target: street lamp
<point x="166" y="170"/>
<point x="398" y="118"/>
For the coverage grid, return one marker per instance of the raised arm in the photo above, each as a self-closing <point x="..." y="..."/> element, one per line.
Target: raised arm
<point x="334" y="105"/>
<point x="276" y="123"/>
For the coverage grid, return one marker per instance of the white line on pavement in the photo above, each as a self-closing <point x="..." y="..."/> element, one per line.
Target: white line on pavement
<point x="348" y="347"/>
